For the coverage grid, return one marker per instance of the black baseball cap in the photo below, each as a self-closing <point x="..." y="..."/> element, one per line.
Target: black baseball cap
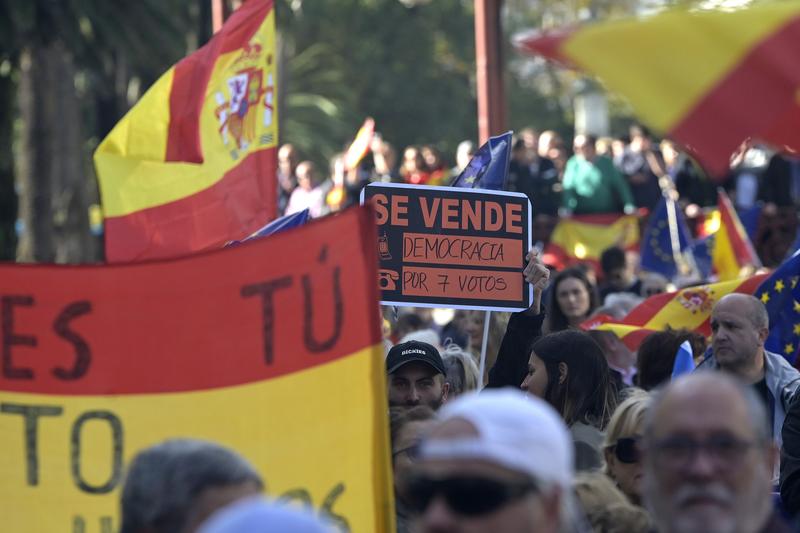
<point x="407" y="352"/>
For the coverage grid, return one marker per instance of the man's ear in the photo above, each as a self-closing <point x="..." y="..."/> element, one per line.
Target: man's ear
<point x="763" y="333"/>
<point x="445" y="391"/>
<point x="563" y="372"/>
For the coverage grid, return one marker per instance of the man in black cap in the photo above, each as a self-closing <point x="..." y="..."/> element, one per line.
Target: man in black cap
<point x="416" y="375"/>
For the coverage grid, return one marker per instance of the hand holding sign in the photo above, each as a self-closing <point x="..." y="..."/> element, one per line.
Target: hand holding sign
<point x="537" y="275"/>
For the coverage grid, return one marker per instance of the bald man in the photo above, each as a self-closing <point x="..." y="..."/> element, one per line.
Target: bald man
<point x="739" y="327"/>
<point x="708" y="458"/>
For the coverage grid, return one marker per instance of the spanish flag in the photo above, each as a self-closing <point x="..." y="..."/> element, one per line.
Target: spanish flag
<point x="707" y="78"/>
<point x="688" y="308"/>
<point x="732" y="255"/>
<point x="281" y="361"/>
<point x="583" y="238"/>
<point x="192" y="165"/>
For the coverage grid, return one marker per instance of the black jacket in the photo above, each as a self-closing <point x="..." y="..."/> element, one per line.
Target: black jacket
<point x="511" y="365"/>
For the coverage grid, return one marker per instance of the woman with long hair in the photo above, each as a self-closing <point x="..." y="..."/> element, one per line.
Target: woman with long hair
<point x="571" y="300"/>
<point x="569" y="371"/>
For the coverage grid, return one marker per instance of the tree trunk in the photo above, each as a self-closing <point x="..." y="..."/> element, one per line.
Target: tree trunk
<point x="8" y="194"/>
<point x="53" y="185"/>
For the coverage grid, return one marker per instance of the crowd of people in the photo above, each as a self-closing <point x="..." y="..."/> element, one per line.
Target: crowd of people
<point x="566" y="430"/>
<point x="600" y="438"/>
<point x="594" y="175"/>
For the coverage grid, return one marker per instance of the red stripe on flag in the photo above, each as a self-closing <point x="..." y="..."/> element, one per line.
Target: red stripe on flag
<point x="190" y="80"/>
<point x="549" y="45"/>
<point x="235" y="206"/>
<point x="645" y="311"/>
<point x="749" y="101"/>
<point x="738" y="240"/>
<point x="200" y="322"/>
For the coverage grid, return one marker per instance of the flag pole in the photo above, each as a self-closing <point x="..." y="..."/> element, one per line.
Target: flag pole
<point x="674" y="237"/>
<point x="486" y="320"/>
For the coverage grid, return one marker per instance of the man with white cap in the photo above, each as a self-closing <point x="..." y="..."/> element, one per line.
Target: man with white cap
<point x="497" y="461"/>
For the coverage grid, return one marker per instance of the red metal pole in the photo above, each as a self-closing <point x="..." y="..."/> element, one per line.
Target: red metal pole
<point x="489" y="62"/>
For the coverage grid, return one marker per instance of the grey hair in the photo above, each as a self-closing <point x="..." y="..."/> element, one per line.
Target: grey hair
<point x="756" y="314"/>
<point x="462" y="372"/>
<point x="164" y="480"/>
<point x="756" y="411"/>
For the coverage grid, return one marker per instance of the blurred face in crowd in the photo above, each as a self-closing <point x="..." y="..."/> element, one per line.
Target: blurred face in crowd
<point x="669" y="152"/>
<point x="625" y="466"/>
<point x="652" y="285"/>
<point x="619" y="278"/>
<point x="403" y="451"/>
<point x="431" y="157"/>
<point x="469" y="495"/>
<point x="473" y="324"/>
<point x="305" y="175"/>
<point x="385" y="159"/>
<point x="736" y="341"/>
<point x="573" y="298"/>
<point x="706" y="469"/>
<point x="584" y="148"/>
<point x="417" y="383"/>
<point x="413" y="160"/>
<point x="535" y="381"/>
<point x="287" y="159"/>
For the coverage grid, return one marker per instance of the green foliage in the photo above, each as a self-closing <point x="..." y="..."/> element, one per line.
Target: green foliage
<point x="411" y="69"/>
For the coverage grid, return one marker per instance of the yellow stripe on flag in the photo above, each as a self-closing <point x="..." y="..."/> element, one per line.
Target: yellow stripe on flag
<point x="710" y="45"/>
<point x="587" y="241"/>
<point x="303" y="444"/>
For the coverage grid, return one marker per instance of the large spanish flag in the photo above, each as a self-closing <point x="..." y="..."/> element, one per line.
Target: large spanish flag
<point x="582" y="238"/>
<point x="708" y="79"/>
<point x="192" y="165"/>
<point x="279" y="360"/>
<point x="688" y="308"/>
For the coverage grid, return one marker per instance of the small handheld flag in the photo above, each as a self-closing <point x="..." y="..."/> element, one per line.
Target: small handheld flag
<point x="488" y="168"/>
<point x="684" y="360"/>
<point x="294" y="220"/>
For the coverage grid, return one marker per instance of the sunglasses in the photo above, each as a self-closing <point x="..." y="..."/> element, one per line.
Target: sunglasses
<point x="465" y="495"/>
<point x="627" y="450"/>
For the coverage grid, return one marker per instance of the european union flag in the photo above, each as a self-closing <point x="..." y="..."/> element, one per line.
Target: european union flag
<point x="780" y="294"/>
<point x="701" y="250"/>
<point x="657" y="250"/>
<point x="279" y="224"/>
<point x="488" y="168"/>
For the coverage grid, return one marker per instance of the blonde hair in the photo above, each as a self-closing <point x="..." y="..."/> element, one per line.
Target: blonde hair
<point x="628" y="418"/>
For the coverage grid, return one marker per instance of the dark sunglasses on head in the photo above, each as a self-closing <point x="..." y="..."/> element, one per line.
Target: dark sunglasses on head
<point x="627" y="450"/>
<point x="465" y="495"/>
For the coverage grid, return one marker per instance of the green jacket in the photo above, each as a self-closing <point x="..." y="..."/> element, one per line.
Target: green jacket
<point x="595" y="187"/>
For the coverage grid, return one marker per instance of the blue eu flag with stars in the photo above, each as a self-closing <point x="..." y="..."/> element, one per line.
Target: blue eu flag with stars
<point x="488" y="168"/>
<point x="656" y="250"/>
<point x="780" y="294"/>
